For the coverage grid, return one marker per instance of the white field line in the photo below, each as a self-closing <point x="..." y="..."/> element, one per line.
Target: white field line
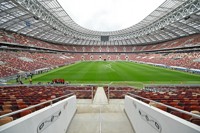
<point x="109" y="66"/>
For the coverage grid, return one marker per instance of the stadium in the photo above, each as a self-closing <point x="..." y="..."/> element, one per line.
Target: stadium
<point x="58" y="76"/>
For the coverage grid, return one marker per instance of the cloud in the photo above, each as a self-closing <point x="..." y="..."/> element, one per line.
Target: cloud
<point x="109" y="15"/>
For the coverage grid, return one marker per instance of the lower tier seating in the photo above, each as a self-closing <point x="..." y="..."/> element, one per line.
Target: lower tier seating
<point x="13" y="98"/>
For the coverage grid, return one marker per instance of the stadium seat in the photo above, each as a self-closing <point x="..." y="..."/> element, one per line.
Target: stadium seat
<point x="7" y="107"/>
<point x="161" y="107"/>
<point x="195" y="121"/>
<point x="176" y="113"/>
<point x="195" y="107"/>
<point x="26" y="112"/>
<point x="5" y="112"/>
<point x="5" y="120"/>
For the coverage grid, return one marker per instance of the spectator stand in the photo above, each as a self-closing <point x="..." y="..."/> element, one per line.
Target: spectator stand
<point x="183" y="97"/>
<point x="15" y="99"/>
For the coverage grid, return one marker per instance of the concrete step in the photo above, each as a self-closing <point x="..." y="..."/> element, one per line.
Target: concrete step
<point x="110" y="123"/>
<point x="103" y="118"/>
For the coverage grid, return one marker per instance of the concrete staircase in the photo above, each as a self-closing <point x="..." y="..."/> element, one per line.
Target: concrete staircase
<point x="100" y="116"/>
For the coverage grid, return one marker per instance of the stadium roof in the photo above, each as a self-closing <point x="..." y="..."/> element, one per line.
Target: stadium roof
<point x="47" y="20"/>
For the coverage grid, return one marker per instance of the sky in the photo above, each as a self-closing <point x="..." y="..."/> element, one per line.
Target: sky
<point x="109" y="15"/>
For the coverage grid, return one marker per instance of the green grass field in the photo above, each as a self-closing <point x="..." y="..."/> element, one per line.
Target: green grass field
<point x="119" y="72"/>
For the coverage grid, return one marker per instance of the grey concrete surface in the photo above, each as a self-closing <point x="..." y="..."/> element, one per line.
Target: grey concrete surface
<point x="100" y="116"/>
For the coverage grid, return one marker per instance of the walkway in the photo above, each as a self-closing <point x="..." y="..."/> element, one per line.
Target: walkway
<point x="99" y="116"/>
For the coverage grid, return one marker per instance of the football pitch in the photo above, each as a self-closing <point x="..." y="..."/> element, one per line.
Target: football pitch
<point x="118" y="71"/>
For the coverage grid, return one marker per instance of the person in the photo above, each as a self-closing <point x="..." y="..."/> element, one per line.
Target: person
<point x="17" y="80"/>
<point x="20" y="82"/>
<point x="31" y="74"/>
<point x="30" y="80"/>
<point x="26" y="76"/>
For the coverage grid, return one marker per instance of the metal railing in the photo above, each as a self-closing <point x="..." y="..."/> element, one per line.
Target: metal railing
<point x="100" y="120"/>
<point x="173" y="108"/>
<point x="37" y="105"/>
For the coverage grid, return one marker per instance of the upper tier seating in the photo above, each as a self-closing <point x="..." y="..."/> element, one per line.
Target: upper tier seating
<point x="10" y="37"/>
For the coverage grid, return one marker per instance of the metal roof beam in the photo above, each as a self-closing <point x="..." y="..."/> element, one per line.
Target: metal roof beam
<point x="188" y="8"/>
<point x="35" y="8"/>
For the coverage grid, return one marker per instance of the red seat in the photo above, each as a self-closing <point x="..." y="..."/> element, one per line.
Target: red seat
<point x="5" y="112"/>
<point x="22" y="106"/>
<point x="179" y="107"/>
<point x="7" y="103"/>
<point x="195" y="121"/>
<point x="187" y="117"/>
<point x="7" y="107"/>
<point x="176" y="113"/>
<point x="5" y="120"/>
<point x="195" y="107"/>
<point x="164" y="108"/>
<point x="26" y="112"/>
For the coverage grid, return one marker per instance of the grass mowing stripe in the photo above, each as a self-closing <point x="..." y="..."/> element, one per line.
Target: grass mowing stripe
<point x="101" y="71"/>
<point x="55" y="70"/>
<point x="166" y="73"/>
